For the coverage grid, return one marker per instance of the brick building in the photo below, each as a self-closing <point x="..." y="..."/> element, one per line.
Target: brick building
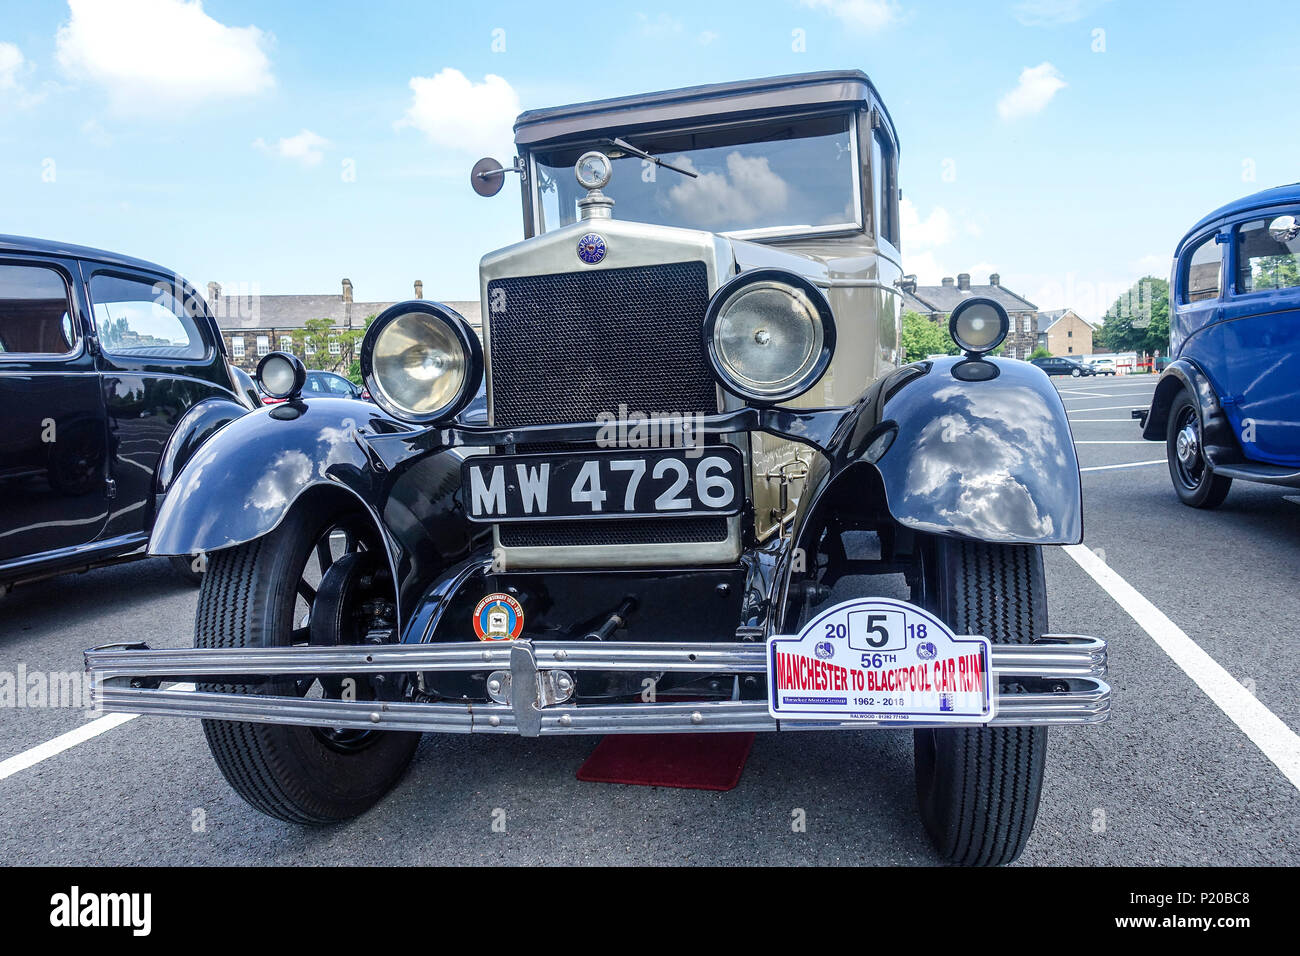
<point x="254" y="324"/>
<point x="936" y="302"/>
<point x="1064" y="332"/>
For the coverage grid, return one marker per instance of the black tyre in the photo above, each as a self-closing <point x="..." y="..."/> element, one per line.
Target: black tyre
<point x="1195" y="482"/>
<point x="260" y="594"/>
<point x="978" y="788"/>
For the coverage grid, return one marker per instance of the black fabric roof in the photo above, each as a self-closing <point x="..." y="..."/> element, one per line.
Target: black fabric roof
<point x="718" y="101"/>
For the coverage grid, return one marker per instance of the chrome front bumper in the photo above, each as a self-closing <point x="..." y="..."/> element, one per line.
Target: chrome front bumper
<point x="126" y="679"/>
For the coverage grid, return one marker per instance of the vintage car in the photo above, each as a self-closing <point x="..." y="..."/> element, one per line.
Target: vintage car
<point x="112" y="372"/>
<point x="703" y="470"/>
<point x="1228" y="404"/>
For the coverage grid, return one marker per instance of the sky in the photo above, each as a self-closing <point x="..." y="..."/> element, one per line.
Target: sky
<point x="278" y="147"/>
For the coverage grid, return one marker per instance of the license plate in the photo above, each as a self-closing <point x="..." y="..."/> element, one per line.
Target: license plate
<point x="614" y="484"/>
<point x="879" y="661"/>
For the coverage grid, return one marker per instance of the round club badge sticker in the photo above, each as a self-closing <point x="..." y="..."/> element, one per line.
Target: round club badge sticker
<point x="498" y="617"/>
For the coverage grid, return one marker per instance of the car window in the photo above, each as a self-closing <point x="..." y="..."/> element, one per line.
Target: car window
<point x="1268" y="254"/>
<point x="337" y="385"/>
<point x="141" y="318"/>
<point x="315" y="383"/>
<point x="1202" y="271"/>
<point x="882" y="185"/>
<point x="35" y="318"/>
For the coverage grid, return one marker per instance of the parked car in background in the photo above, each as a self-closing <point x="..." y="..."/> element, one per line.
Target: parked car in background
<point x="326" y="384"/>
<point x="1102" y="366"/>
<point x="112" y="373"/>
<point x="695" y="412"/>
<point x="1228" y="404"/>
<point x="1063" y="366"/>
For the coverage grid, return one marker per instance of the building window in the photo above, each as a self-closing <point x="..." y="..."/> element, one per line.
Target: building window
<point x="237" y="346"/>
<point x="263" y="345"/>
<point x="308" y="345"/>
<point x="1070" y="349"/>
<point x="1070" y="334"/>
<point x="336" y="347"/>
<point x="286" y="343"/>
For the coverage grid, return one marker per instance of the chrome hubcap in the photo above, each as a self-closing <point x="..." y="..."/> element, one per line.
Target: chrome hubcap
<point x="1186" y="446"/>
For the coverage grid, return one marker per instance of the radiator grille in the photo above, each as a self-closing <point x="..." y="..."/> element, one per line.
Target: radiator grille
<point x="567" y="347"/>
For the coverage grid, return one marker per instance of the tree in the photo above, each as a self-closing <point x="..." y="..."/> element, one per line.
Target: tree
<point x="317" y="336"/>
<point x="922" y="337"/>
<point x="1040" y="352"/>
<point x="1138" y="321"/>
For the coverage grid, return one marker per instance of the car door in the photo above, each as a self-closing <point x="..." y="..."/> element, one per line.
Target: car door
<point x="53" y="443"/>
<point x="1261" y="336"/>
<point x="157" y="358"/>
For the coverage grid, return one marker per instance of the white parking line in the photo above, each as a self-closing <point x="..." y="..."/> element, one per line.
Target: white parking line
<point x="1074" y="420"/>
<point x="1130" y="464"/>
<point x="52" y="748"/>
<point x="1128" y="441"/>
<point x="1099" y="408"/>
<point x="1276" y="740"/>
<point x="1070" y="396"/>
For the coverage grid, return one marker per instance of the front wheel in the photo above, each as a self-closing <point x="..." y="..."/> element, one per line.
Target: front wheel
<point x="1194" y="480"/>
<point x="1075" y="373"/>
<point x="978" y="788"/>
<point x="263" y="594"/>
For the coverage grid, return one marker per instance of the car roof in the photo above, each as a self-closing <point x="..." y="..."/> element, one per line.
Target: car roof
<point x="50" y="247"/>
<point x="1260" y="200"/>
<point x="716" y="101"/>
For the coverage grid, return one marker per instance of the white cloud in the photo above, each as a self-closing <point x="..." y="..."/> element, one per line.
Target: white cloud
<point x="152" y="53"/>
<point x="745" y="196"/>
<point x="661" y="26"/>
<point x="11" y="65"/>
<point x="1050" y="13"/>
<point x="1037" y="86"/>
<point x="454" y="112"/>
<point x="935" y="230"/>
<point x="868" y="16"/>
<point x="706" y="37"/>
<point x="307" y="147"/>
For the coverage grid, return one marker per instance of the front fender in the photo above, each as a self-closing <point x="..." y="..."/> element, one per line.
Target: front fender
<point x="239" y="485"/>
<point x="989" y="460"/>
<point x="199" y="423"/>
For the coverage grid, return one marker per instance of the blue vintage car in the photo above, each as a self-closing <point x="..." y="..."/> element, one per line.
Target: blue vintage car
<point x="1228" y="405"/>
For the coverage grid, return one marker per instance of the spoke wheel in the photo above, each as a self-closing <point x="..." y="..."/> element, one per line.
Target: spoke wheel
<point x="1193" y="478"/>
<point x="316" y="579"/>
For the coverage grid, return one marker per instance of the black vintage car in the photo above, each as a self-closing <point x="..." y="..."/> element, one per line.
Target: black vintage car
<point x="704" y="467"/>
<point x="112" y="372"/>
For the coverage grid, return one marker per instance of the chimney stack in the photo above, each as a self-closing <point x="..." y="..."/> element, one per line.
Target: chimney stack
<point x="214" y="293"/>
<point x="347" y="290"/>
<point x="419" y="289"/>
<point x="947" y="280"/>
<point x="995" y="279"/>
<point x="963" y="281"/>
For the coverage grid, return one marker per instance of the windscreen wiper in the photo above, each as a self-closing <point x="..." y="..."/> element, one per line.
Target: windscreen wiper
<point x="629" y="148"/>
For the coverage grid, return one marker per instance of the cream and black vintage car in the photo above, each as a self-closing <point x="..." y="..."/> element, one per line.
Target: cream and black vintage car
<point x="708" y="493"/>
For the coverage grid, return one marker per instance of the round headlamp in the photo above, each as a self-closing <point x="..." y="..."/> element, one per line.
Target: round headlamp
<point x="769" y="335"/>
<point x="281" y="375"/>
<point x="421" y="361"/>
<point x="978" y="325"/>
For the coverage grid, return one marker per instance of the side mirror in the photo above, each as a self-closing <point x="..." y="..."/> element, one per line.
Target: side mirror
<point x="487" y="177"/>
<point x="1283" y="228"/>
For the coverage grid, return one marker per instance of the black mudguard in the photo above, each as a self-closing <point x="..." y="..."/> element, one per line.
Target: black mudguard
<point x="1219" y="442"/>
<point x="990" y="460"/>
<point x="239" y="484"/>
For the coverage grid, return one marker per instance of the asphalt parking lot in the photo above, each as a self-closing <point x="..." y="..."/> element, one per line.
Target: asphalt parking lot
<point x="1199" y="764"/>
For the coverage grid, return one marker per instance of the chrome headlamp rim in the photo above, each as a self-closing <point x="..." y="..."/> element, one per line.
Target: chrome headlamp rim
<point x="465" y="338"/>
<point x="1003" y="318"/>
<point x="813" y="371"/>
<point x="299" y="375"/>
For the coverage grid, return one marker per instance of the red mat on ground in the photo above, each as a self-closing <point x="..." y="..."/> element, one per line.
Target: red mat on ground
<point x="689" y="761"/>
